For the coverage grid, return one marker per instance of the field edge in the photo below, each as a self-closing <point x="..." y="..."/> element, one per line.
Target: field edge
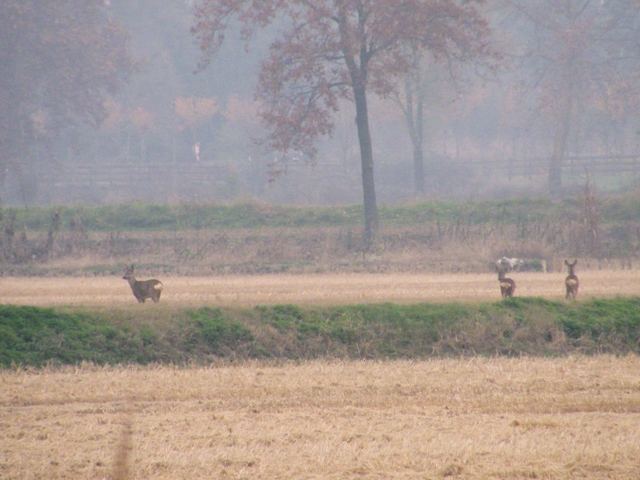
<point x="35" y="337"/>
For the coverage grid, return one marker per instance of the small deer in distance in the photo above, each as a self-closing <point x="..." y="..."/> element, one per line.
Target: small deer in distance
<point x="507" y="286"/>
<point x="143" y="289"/>
<point x="571" y="282"/>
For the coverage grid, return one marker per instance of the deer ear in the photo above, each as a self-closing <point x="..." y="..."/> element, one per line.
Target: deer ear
<point x="566" y="263"/>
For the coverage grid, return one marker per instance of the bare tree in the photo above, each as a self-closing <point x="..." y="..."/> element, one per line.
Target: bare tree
<point x="413" y="106"/>
<point x="430" y="77"/>
<point x="577" y="52"/>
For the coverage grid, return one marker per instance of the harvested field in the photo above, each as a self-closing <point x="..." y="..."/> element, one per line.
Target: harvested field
<point x="313" y="289"/>
<point x="576" y="417"/>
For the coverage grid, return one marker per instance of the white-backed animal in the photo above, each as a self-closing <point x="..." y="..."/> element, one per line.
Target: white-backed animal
<point x="571" y="282"/>
<point x="509" y="264"/>
<point x="143" y="289"/>
<point x="507" y="285"/>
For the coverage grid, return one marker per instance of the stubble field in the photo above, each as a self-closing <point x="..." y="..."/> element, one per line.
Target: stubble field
<point x="576" y="417"/>
<point x="313" y="289"/>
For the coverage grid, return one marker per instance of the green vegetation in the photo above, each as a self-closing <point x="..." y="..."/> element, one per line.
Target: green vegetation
<point x="31" y="336"/>
<point x="152" y="217"/>
<point x="254" y="238"/>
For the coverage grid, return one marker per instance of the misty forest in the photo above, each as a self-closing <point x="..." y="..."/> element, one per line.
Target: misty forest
<point x="367" y="109"/>
<point x="136" y="101"/>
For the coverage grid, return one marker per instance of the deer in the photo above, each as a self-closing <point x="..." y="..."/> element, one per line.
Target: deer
<point x="507" y="286"/>
<point x="571" y="282"/>
<point x="143" y="289"/>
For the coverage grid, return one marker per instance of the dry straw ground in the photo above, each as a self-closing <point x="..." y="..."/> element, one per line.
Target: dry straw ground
<point x="313" y="289"/>
<point x="480" y="418"/>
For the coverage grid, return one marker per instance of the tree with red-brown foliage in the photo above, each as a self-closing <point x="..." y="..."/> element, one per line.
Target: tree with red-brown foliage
<point x="334" y="50"/>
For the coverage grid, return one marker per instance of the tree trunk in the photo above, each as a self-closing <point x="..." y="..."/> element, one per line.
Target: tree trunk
<point x="414" y="122"/>
<point x="358" y="74"/>
<point x="418" y="161"/>
<point x="564" y="112"/>
<point x="10" y="131"/>
<point x="418" y="171"/>
<point x="366" y="155"/>
<point x="560" y="143"/>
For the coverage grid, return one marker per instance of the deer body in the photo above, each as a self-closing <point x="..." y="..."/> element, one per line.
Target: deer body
<point x="143" y="289"/>
<point x="507" y="286"/>
<point x="571" y="282"/>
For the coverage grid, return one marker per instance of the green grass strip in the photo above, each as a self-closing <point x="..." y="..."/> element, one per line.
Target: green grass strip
<point x="31" y="336"/>
<point x="156" y="217"/>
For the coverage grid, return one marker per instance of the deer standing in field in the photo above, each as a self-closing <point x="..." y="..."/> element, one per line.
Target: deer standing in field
<point x="507" y="286"/>
<point x="143" y="289"/>
<point x="571" y="282"/>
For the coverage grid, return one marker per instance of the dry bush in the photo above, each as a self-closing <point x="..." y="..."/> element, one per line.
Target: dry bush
<point x="23" y="249"/>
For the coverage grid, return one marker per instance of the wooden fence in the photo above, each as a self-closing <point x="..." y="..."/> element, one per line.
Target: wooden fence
<point x="163" y="182"/>
<point x="156" y="182"/>
<point x="535" y="166"/>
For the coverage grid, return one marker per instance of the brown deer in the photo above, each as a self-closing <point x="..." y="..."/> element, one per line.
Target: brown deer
<point x="571" y="282"/>
<point x="507" y="286"/>
<point x="143" y="289"/>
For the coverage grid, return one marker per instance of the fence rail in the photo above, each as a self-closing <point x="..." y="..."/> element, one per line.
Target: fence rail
<point x="158" y="181"/>
<point x="161" y="182"/>
<point x="536" y="166"/>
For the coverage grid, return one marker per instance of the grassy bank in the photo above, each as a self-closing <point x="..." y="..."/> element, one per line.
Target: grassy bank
<point x="31" y="336"/>
<point x="249" y="215"/>
<point x="254" y="238"/>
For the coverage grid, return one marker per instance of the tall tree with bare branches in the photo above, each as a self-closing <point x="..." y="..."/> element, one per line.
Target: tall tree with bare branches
<point x="334" y="50"/>
<point x="578" y="52"/>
